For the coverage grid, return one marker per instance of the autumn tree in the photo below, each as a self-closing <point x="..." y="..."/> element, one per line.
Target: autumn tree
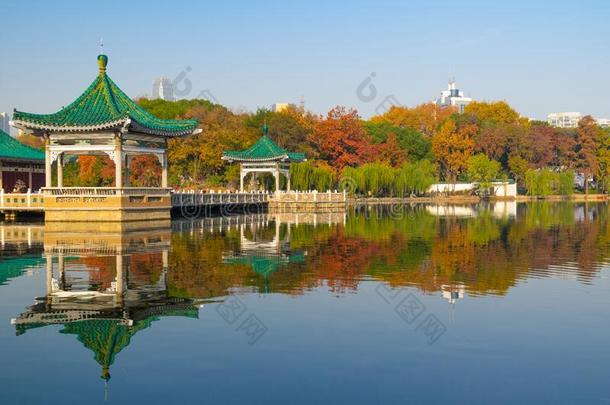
<point x="499" y="112"/>
<point x="410" y="142"/>
<point x="425" y="118"/>
<point x="564" y="148"/>
<point x="196" y="160"/>
<point x="587" y="136"/>
<point x="341" y="140"/>
<point x="603" y="159"/>
<point x="452" y="146"/>
<point x="95" y="171"/>
<point x="288" y="128"/>
<point x="145" y="171"/>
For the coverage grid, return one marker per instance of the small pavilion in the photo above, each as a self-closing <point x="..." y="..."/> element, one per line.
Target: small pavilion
<point x="265" y="257"/>
<point x="265" y="156"/>
<point x="103" y="121"/>
<point x="19" y="162"/>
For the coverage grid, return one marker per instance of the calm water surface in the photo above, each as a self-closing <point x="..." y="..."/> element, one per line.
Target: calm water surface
<point x="425" y="304"/>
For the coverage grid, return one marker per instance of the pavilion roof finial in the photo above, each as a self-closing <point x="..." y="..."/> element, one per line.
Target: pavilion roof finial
<point x="265" y="128"/>
<point x="102" y="62"/>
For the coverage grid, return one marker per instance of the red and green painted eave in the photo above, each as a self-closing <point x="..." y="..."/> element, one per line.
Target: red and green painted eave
<point x="103" y="106"/>
<point x="12" y="149"/>
<point x="264" y="150"/>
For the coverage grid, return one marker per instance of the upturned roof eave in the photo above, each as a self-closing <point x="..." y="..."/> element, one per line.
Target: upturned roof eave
<point x="247" y="159"/>
<point x="31" y="125"/>
<point x="119" y="124"/>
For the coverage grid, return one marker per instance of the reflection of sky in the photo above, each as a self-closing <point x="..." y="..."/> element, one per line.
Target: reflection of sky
<point x="545" y="341"/>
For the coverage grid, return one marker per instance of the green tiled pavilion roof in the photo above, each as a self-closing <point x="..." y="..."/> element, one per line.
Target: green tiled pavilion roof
<point x="10" y="148"/>
<point x="103" y="106"/>
<point x="263" y="150"/>
<point x="265" y="265"/>
<point x="16" y="266"/>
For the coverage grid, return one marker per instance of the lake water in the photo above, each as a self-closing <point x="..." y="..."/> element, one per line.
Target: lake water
<point x="504" y="303"/>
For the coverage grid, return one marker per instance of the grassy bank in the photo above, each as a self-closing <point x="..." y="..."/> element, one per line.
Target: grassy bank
<point x="469" y="199"/>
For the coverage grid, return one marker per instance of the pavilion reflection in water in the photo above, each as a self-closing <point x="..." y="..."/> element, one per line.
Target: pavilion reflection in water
<point x="264" y="256"/>
<point x="106" y="284"/>
<point x="104" y="288"/>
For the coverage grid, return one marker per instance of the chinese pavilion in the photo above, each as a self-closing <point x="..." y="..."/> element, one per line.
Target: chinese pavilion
<point x="104" y="121"/>
<point x="264" y="156"/>
<point x="19" y="162"/>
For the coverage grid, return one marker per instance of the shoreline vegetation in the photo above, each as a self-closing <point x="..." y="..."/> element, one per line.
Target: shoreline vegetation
<point x="400" y="152"/>
<point x="473" y="199"/>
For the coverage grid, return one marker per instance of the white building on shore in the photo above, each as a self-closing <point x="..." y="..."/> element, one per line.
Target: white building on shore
<point x="571" y="119"/>
<point x="453" y="97"/>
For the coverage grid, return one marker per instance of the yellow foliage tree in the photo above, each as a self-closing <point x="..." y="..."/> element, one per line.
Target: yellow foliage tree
<point x="424" y="118"/>
<point x="452" y="147"/>
<point x="498" y="111"/>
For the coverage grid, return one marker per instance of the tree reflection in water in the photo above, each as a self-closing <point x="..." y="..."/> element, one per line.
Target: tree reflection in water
<point x="105" y="288"/>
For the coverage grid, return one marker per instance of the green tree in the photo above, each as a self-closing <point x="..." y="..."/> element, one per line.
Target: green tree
<point x="411" y="142"/>
<point x="518" y="167"/>
<point x="566" y="183"/>
<point x="483" y="170"/>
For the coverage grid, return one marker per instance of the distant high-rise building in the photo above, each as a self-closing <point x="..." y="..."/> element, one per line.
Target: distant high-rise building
<point x="571" y="119"/>
<point x="163" y="89"/>
<point x="279" y="107"/>
<point x="603" y="122"/>
<point x="4" y="122"/>
<point x="453" y="97"/>
<point x="564" y="119"/>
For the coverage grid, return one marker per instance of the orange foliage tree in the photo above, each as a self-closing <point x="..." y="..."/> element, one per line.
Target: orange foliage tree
<point x="145" y="171"/>
<point x="95" y="171"/>
<point x="341" y="140"/>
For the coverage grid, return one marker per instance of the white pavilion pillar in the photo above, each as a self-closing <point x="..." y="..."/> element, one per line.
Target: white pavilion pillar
<point x="164" y="170"/>
<point x="61" y="266"/>
<point x="49" y="273"/>
<point x="241" y="178"/>
<point x="276" y="174"/>
<point x="60" y="170"/>
<point x="118" y="163"/>
<point x="119" y="276"/>
<point x="47" y="162"/>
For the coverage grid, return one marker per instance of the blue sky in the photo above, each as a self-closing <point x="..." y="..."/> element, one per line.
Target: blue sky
<point x="538" y="56"/>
